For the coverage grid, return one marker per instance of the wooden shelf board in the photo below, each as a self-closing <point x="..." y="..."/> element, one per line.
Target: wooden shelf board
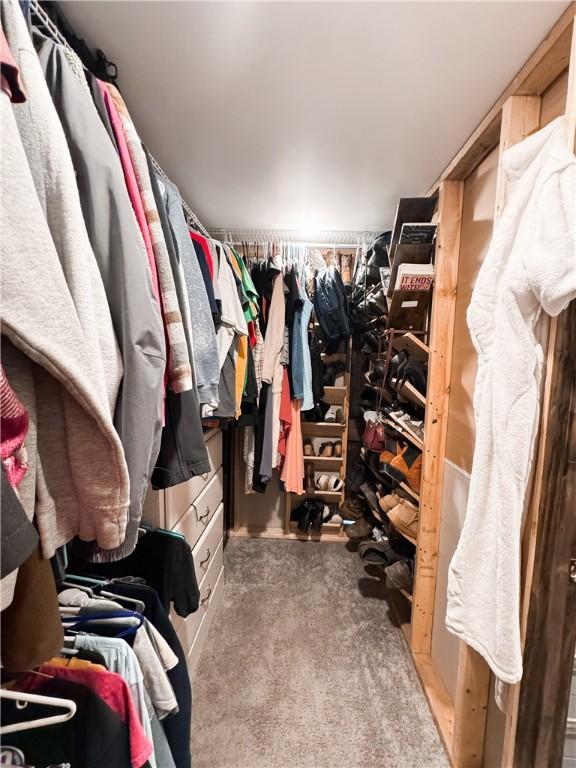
<point x="407" y="434"/>
<point x="415" y="348"/>
<point x="322" y="429"/>
<point x="247" y="532"/>
<point x="334" y="395"/>
<point x="333" y="496"/>
<point x="410" y="393"/>
<point x="328" y="529"/>
<point x="334" y="357"/>
<point x="325" y="463"/>
<point x="409" y="491"/>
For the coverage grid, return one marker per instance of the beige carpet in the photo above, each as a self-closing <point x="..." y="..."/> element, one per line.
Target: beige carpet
<point x="305" y="668"/>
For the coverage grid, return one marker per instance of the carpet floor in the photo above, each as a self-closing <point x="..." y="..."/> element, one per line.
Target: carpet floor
<point x="304" y="667"/>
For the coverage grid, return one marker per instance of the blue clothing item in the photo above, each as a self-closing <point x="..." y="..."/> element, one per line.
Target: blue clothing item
<point x="301" y="361"/>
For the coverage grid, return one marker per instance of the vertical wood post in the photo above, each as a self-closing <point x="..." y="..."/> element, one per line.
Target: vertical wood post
<point x="436" y="422"/>
<point x="520" y="117"/>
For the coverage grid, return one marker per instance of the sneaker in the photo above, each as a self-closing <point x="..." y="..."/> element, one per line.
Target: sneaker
<point x="404" y="517"/>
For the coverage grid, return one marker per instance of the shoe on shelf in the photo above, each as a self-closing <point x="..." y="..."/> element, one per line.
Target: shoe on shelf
<point x="326" y="450"/>
<point x="369" y="494"/>
<point x="389" y="501"/>
<point x="337" y="448"/>
<point x="353" y="508"/>
<point x="334" y="415"/>
<point x="414" y="373"/>
<point x="335" y="483"/>
<point x="331" y="372"/>
<point x="355" y="476"/>
<point x="316" y="522"/>
<point x="309" y="484"/>
<point x="404" y="517"/>
<point x="361" y="529"/>
<point x="400" y="575"/>
<point x="322" y="482"/>
<point x="405" y="466"/>
<point x="308" y="447"/>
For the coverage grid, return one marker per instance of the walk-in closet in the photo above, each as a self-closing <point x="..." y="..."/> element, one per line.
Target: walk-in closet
<point x="288" y="384"/>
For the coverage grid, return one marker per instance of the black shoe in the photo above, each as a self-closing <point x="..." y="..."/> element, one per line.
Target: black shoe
<point x="355" y="476"/>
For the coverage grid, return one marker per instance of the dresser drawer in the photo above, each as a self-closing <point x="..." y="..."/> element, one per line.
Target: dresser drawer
<point x="201" y="511"/>
<point x="207" y="545"/>
<point x="199" y="640"/>
<point x="179" y="497"/>
<point x="189" y="626"/>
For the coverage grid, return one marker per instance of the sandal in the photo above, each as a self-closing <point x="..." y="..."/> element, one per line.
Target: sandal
<point x="337" y="448"/>
<point x="326" y="449"/>
<point x="378" y="552"/>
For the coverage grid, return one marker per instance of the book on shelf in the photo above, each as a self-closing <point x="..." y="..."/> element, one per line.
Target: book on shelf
<point x="414" y="277"/>
<point x="419" y="233"/>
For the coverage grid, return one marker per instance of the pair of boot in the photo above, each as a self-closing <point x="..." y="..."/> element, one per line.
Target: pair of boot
<point x="403" y="463"/>
<point x="308" y="515"/>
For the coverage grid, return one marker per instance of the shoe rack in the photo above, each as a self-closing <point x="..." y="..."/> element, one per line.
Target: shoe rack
<point x="407" y="328"/>
<point x="320" y="432"/>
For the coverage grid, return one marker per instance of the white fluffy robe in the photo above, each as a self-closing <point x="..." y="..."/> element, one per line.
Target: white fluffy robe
<point x="530" y="266"/>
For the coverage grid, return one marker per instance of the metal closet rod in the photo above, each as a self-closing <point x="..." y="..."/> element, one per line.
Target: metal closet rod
<point x="59" y="38"/>
<point x="320" y="239"/>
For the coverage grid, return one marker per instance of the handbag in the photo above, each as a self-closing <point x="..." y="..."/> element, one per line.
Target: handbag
<point x="374" y="435"/>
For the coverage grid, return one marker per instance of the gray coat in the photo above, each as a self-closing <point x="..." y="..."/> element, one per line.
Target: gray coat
<point x="121" y="257"/>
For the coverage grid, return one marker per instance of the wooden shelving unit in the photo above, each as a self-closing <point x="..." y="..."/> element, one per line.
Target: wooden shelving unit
<point x="338" y="396"/>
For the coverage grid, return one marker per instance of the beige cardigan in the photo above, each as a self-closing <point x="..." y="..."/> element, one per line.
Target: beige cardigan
<point x="54" y="309"/>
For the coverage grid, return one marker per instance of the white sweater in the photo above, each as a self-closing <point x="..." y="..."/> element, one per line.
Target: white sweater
<point x="530" y="266"/>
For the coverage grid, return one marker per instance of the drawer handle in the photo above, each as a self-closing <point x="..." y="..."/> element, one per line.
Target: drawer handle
<point x="205" y="515"/>
<point x="206" y="598"/>
<point x="208" y="555"/>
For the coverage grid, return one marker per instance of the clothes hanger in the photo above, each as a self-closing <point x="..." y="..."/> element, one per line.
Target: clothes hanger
<point x="175" y="534"/>
<point x="81" y="587"/>
<point x="87" y="579"/>
<point x="118" y="617"/>
<point x="23" y="699"/>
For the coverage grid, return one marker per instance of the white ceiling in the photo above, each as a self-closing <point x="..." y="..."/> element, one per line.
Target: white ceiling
<point x="309" y="115"/>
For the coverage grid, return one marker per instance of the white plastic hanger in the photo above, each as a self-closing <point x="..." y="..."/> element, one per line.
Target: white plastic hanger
<point x="23" y="699"/>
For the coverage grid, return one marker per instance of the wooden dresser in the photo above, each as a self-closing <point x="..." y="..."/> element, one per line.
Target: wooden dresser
<point x="196" y="510"/>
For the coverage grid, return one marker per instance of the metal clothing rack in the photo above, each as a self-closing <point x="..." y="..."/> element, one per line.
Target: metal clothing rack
<point x="51" y="28"/>
<point x="320" y="239"/>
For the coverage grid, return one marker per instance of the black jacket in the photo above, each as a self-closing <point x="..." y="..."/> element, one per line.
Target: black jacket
<point x="331" y="305"/>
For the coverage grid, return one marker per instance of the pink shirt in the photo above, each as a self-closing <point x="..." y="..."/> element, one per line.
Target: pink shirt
<point x="112" y="689"/>
<point x="131" y="183"/>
